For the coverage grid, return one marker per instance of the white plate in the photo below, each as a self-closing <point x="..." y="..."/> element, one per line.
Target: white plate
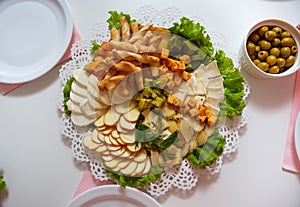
<point x="297" y="135"/>
<point x="113" y="196"/>
<point x="34" y="35"/>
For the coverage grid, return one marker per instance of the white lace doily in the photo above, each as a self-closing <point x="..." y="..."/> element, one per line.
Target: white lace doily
<point x="184" y="176"/>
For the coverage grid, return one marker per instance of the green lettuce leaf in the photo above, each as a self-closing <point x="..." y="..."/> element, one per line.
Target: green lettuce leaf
<point x="2" y="184"/>
<point x="194" y="32"/>
<point x="114" y="19"/>
<point x="207" y="154"/>
<point x="155" y="174"/>
<point x="233" y="104"/>
<point x="66" y="92"/>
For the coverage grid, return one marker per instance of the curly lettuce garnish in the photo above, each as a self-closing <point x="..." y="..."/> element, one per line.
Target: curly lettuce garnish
<point x="195" y="33"/>
<point x="155" y="174"/>
<point x="2" y="184"/>
<point x="207" y="154"/>
<point x="233" y="104"/>
<point x="114" y="19"/>
<point x="66" y="92"/>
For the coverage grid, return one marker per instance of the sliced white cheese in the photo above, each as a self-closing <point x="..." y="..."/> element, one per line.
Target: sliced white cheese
<point x="129" y="170"/>
<point x="124" y="107"/>
<point x="88" y="142"/>
<point x="93" y="81"/>
<point x="128" y="138"/>
<point x="140" y="168"/>
<point x="109" y="119"/>
<point x="94" y="103"/>
<point x="76" y="98"/>
<point x="81" y="76"/>
<point x="126" y="124"/>
<point x="94" y="137"/>
<point x="79" y="89"/>
<point x="73" y="107"/>
<point x="99" y="122"/>
<point x="80" y="119"/>
<point x="132" y="115"/>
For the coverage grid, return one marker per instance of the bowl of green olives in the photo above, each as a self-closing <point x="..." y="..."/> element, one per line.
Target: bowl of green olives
<point x="270" y="49"/>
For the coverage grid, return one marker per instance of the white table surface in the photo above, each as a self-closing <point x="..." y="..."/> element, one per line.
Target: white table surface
<point x="38" y="165"/>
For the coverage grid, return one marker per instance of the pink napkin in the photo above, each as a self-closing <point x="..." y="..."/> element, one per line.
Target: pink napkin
<point x="88" y="181"/>
<point x="290" y="159"/>
<point x="6" y="88"/>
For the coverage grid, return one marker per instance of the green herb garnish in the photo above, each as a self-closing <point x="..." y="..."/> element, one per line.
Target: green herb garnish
<point x="114" y="19"/>
<point x="95" y="47"/>
<point x="153" y="139"/>
<point x="2" y="184"/>
<point x="66" y="92"/>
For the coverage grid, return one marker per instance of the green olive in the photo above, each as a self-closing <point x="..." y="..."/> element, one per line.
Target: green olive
<point x="280" y="62"/>
<point x="285" y="34"/>
<point x="285" y="52"/>
<point x="264" y="45"/>
<point x="276" y="42"/>
<point x="271" y="60"/>
<point x="274" y="69"/>
<point x="254" y="37"/>
<point x="252" y="57"/>
<point x="294" y="49"/>
<point x="281" y="69"/>
<point x="263" y="30"/>
<point x="262" y="55"/>
<point x="256" y="61"/>
<point x="290" y="61"/>
<point x="275" y="51"/>
<point x="287" y="42"/>
<point x="251" y="48"/>
<point x="263" y="66"/>
<point x="277" y="30"/>
<point x="257" y="49"/>
<point x="270" y="35"/>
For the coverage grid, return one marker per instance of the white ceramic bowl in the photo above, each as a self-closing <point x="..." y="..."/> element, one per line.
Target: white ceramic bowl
<point x="251" y="68"/>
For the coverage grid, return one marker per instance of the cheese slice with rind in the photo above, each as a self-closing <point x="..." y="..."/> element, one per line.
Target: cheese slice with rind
<point x="88" y="142"/>
<point x="132" y="115"/>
